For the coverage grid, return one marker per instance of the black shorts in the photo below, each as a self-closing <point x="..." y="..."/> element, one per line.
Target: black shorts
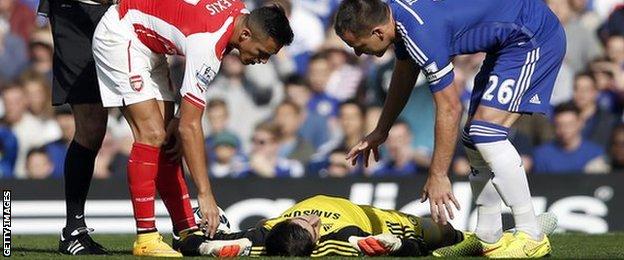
<point x="73" y="24"/>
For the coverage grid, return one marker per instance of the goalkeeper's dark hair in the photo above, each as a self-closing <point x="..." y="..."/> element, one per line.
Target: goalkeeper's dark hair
<point x="289" y="239"/>
<point x="271" y="21"/>
<point x="360" y="16"/>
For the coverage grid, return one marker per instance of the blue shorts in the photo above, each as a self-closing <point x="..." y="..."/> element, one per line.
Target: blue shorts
<point x="520" y="78"/>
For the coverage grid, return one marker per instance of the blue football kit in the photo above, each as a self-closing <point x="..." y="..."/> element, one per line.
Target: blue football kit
<point x="523" y="39"/>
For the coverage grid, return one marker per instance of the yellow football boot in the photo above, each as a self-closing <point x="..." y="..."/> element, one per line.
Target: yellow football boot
<point x="523" y="246"/>
<point x="151" y="244"/>
<point x="473" y="246"/>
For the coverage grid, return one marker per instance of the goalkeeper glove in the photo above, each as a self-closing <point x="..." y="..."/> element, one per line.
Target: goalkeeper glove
<point x="226" y="248"/>
<point x="382" y="244"/>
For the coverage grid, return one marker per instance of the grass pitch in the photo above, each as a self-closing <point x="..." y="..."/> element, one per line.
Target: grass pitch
<point x="565" y="246"/>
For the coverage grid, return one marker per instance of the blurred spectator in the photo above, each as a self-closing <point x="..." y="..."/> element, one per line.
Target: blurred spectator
<point x="58" y="149"/>
<point x="615" y="54"/>
<point x="30" y="131"/>
<point x="378" y="77"/>
<point x="8" y="152"/>
<point x="289" y="118"/>
<point x="605" y="7"/>
<point x="112" y="158"/>
<point x="38" y="94"/>
<point x="227" y="163"/>
<point x="400" y="158"/>
<point x="337" y="167"/>
<point x="41" y="50"/>
<point x="616" y="149"/>
<point x="13" y="55"/>
<point x="588" y="17"/>
<point x="609" y="97"/>
<point x="346" y="77"/>
<point x="250" y="104"/>
<point x="264" y="160"/>
<point x="582" y="44"/>
<point x="218" y="119"/>
<point x="319" y="71"/>
<point x="324" y="9"/>
<point x="309" y="34"/>
<point x="38" y="164"/>
<point x="614" y="24"/>
<point x="351" y="120"/>
<point x="109" y="161"/>
<point x="570" y="153"/>
<point x="314" y="129"/>
<point x="20" y="17"/>
<point x="597" y="122"/>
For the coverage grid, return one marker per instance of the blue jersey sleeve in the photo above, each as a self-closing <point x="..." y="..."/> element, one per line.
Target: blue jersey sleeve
<point x="426" y="42"/>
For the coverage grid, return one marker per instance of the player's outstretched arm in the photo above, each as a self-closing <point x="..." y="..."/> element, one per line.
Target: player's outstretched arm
<point x="438" y="186"/>
<point x="192" y="138"/>
<point x="403" y="80"/>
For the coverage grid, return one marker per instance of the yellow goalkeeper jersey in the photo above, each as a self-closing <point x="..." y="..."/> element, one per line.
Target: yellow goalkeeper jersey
<point x="341" y="219"/>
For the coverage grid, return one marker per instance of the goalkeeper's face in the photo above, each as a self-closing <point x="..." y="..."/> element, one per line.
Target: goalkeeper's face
<point x="311" y="223"/>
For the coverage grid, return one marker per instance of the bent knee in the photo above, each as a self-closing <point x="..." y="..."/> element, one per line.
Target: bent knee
<point x="153" y="136"/>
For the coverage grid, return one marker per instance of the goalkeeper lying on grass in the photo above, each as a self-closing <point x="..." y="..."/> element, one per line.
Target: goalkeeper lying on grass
<point x="323" y="226"/>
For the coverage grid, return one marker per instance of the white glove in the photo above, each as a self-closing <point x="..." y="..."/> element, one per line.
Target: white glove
<point x="382" y="244"/>
<point x="226" y="248"/>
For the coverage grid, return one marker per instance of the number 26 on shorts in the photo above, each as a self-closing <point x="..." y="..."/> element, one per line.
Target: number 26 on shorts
<point x="504" y="93"/>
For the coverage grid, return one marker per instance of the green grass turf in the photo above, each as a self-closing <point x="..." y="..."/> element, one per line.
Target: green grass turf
<point x="565" y="246"/>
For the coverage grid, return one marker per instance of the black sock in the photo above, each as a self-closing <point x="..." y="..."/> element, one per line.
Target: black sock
<point x="79" y="165"/>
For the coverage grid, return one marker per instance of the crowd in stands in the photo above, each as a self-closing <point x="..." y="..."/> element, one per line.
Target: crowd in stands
<point x="298" y="115"/>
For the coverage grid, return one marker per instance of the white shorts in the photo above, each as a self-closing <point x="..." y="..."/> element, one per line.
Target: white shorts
<point x="128" y="72"/>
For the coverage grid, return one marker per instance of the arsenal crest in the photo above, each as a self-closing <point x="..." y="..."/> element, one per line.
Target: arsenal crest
<point x="136" y="82"/>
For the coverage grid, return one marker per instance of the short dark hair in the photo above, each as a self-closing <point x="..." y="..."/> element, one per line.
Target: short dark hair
<point x="216" y="102"/>
<point x="354" y="102"/>
<point x="317" y="56"/>
<point x="360" y="16"/>
<point x="585" y="74"/>
<point x="272" y="21"/>
<point x="271" y="128"/>
<point x="295" y="79"/>
<point x="289" y="103"/>
<point x="567" y="107"/>
<point x="37" y="150"/>
<point x="289" y="239"/>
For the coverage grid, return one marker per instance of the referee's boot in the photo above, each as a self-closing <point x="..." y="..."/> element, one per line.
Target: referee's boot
<point x="79" y="242"/>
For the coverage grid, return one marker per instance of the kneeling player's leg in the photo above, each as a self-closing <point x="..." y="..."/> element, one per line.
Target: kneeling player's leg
<point x="171" y="184"/>
<point x="488" y="130"/>
<point x="488" y="201"/>
<point x="149" y="134"/>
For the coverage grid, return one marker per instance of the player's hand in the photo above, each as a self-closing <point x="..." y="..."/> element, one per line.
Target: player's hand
<point x="226" y="248"/>
<point x="210" y="212"/>
<point x="438" y="191"/>
<point x="382" y="244"/>
<point x="368" y="144"/>
<point x="172" y="145"/>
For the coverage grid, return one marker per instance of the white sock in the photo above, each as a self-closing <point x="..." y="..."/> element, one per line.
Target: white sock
<point x="511" y="183"/>
<point x="489" y="221"/>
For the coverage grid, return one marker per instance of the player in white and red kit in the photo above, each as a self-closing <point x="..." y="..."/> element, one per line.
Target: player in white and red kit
<point x="130" y="45"/>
